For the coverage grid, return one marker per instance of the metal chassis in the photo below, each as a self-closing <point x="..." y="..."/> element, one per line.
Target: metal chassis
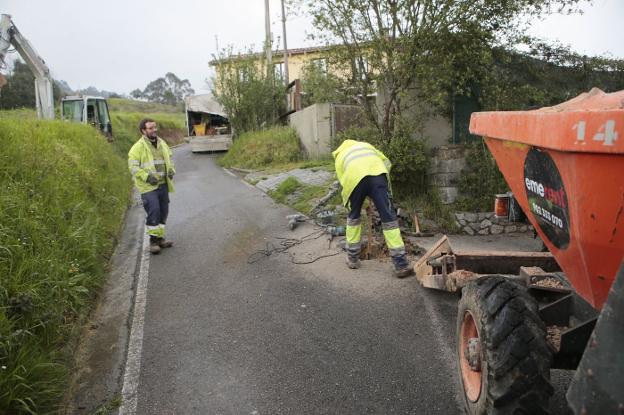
<point x="442" y="268"/>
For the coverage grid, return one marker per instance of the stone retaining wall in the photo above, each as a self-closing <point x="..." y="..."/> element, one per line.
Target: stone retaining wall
<point x="447" y="163"/>
<point x="486" y="223"/>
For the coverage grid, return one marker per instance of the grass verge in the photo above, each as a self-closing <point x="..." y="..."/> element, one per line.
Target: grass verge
<point x="126" y="115"/>
<point x="126" y="128"/>
<point x="64" y="194"/>
<point x="263" y="149"/>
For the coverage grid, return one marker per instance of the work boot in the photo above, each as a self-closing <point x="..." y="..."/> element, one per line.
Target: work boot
<point x="353" y="262"/>
<point x="164" y="244"/>
<point x="402" y="267"/>
<point x="154" y="248"/>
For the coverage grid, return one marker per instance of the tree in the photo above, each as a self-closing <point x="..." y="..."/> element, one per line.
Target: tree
<point x="321" y="85"/>
<point x="19" y="92"/>
<point x="169" y="90"/>
<point x="426" y="47"/>
<point x="136" y="94"/>
<point x="251" y="97"/>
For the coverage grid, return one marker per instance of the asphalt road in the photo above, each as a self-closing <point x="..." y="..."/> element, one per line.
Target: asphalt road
<point x="224" y="336"/>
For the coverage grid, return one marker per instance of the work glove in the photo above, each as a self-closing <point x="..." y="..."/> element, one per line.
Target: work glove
<point x="170" y="174"/>
<point x="153" y="180"/>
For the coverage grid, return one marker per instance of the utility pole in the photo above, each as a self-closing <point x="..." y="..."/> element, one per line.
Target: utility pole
<point x="267" y="24"/>
<point x="286" y="81"/>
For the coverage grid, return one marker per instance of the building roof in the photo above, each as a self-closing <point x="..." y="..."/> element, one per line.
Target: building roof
<point x="279" y="52"/>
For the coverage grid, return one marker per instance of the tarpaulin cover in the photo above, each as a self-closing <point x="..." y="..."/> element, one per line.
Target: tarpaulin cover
<point x="204" y="103"/>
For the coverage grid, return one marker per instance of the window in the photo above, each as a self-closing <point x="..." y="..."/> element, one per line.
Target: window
<point x="361" y="67"/>
<point x="102" y="111"/>
<point x="243" y="76"/>
<point x="91" y="114"/>
<point x="72" y="110"/>
<point x="279" y="70"/>
<point x="321" y="64"/>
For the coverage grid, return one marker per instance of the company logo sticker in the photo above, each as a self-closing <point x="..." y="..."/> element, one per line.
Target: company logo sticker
<point x="548" y="201"/>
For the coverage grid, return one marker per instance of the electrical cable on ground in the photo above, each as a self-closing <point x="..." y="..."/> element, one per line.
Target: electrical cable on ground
<point x="285" y="244"/>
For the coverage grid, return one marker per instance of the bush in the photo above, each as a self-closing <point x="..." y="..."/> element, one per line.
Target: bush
<point x="409" y="157"/>
<point x="260" y="149"/>
<point x="480" y="180"/>
<point x="64" y="194"/>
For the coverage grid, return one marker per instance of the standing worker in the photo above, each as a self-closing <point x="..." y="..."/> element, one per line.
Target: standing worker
<point x="364" y="171"/>
<point x="151" y="167"/>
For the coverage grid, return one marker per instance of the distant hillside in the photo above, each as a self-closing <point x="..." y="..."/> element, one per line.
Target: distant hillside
<point x="130" y="105"/>
<point x="126" y="114"/>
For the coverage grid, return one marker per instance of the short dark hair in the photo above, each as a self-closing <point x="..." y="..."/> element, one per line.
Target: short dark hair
<point x="143" y="122"/>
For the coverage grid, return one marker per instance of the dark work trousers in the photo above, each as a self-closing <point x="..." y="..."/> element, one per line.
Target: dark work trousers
<point x="375" y="187"/>
<point x="156" y="204"/>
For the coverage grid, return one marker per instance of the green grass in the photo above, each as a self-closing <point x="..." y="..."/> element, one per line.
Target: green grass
<point x="126" y="115"/>
<point x="285" y="189"/>
<point x="108" y="408"/>
<point x="64" y="194"/>
<point x="308" y="193"/>
<point x="126" y="127"/>
<point x="273" y="147"/>
<point x="20" y="114"/>
<point x="300" y="196"/>
<point x="430" y="206"/>
<point x="130" y="105"/>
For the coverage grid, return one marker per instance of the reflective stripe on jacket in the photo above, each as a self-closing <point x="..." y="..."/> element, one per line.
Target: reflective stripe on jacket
<point x="356" y="160"/>
<point x="141" y="164"/>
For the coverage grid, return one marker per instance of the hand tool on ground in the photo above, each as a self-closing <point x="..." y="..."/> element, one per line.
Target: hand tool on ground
<point x="293" y="220"/>
<point x="333" y="231"/>
<point x="417" y="228"/>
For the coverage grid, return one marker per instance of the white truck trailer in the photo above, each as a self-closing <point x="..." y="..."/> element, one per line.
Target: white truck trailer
<point x="207" y="124"/>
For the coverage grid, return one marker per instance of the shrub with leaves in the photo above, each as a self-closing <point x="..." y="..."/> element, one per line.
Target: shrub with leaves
<point x="409" y="157"/>
<point x="320" y="85"/>
<point x="480" y="180"/>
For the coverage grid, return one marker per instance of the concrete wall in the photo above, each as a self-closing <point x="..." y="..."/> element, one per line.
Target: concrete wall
<point x="436" y="129"/>
<point x="314" y="127"/>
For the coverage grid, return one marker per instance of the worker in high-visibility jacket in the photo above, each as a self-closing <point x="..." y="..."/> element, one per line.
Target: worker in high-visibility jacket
<point x="152" y="169"/>
<point x="364" y="171"/>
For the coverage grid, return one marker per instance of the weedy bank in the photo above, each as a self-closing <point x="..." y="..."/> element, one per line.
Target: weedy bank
<point x="65" y="190"/>
<point x="126" y="115"/>
<point x="276" y="150"/>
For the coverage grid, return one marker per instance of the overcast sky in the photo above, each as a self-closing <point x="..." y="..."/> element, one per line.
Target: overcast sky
<point x="120" y="45"/>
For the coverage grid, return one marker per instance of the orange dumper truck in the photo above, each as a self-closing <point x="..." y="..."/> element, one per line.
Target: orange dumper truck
<point x="565" y="166"/>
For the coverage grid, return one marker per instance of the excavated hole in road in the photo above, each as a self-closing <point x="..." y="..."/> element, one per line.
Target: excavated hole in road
<point x="379" y="249"/>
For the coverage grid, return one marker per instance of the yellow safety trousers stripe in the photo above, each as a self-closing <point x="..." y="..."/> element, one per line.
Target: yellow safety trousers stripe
<point x="393" y="238"/>
<point x="354" y="234"/>
<point x="158" y="230"/>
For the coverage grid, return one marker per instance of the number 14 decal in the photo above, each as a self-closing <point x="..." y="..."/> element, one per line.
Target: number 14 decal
<point x="606" y="133"/>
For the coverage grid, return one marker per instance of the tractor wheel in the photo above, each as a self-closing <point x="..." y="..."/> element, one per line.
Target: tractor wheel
<point x="503" y="356"/>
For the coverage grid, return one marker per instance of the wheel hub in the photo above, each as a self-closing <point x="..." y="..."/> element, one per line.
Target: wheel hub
<point x="473" y="354"/>
<point x="470" y="360"/>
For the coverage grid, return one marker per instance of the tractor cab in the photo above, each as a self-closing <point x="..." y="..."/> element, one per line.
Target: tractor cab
<point x="88" y="110"/>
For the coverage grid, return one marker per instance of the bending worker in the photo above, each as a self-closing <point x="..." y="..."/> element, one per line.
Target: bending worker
<point x="364" y="171"/>
<point x="151" y="167"/>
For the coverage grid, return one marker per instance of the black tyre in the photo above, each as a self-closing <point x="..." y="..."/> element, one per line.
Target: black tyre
<point x="503" y="356"/>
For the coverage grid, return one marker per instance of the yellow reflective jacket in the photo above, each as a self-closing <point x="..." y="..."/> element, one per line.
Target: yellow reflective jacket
<point x="356" y="160"/>
<point x="141" y="164"/>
